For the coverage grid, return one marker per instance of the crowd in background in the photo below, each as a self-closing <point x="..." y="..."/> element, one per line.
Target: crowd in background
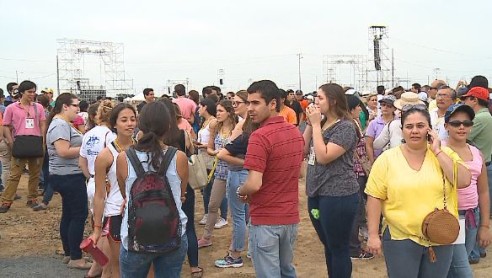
<point x="375" y="164"/>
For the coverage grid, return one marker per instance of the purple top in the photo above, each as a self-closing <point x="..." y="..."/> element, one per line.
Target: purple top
<point x="373" y="130"/>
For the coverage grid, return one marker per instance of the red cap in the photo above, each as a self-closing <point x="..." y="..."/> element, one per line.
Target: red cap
<point x="477" y="92"/>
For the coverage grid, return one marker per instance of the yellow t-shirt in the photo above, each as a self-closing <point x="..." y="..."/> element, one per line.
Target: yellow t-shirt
<point x="408" y="195"/>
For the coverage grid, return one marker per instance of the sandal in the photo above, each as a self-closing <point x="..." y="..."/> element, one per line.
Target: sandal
<point x="95" y="276"/>
<point x="197" y="273"/>
<point x="87" y="265"/>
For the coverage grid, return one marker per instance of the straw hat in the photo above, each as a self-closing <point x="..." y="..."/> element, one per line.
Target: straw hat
<point x="407" y="98"/>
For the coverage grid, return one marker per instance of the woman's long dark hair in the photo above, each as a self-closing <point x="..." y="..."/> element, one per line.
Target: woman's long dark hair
<point x="65" y="98"/>
<point x="154" y="122"/>
<point x="174" y="134"/>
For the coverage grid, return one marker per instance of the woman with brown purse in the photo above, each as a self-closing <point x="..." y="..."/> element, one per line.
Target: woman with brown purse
<point x="406" y="184"/>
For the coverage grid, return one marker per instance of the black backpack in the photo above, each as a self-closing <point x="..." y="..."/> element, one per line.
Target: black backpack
<point x="154" y="225"/>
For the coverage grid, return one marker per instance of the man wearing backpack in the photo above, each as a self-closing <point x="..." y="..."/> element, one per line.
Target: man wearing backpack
<point x="273" y="158"/>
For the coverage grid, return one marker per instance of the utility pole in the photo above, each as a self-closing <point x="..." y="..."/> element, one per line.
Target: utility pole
<point x="299" y="59"/>
<point x="17" y="76"/>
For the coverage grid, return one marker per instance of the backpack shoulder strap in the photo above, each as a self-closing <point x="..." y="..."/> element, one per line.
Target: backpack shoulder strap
<point x="136" y="164"/>
<point x="168" y="157"/>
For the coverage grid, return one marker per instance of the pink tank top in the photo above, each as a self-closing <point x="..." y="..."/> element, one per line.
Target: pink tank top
<point x="468" y="196"/>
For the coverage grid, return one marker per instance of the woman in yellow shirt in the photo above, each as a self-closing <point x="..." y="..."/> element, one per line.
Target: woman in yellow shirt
<point x="405" y="184"/>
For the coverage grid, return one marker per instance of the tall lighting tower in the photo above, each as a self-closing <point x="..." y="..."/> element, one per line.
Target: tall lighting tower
<point x="379" y="54"/>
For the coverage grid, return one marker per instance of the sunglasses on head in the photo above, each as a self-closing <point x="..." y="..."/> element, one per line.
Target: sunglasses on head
<point x="465" y="123"/>
<point x="407" y="107"/>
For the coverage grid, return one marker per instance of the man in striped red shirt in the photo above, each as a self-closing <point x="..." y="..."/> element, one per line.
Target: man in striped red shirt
<point x="273" y="158"/>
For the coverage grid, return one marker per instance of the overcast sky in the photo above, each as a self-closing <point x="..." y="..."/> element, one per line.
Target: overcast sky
<point x="248" y="40"/>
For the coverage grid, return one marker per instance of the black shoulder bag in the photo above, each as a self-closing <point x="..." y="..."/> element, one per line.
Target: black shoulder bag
<point x="28" y="146"/>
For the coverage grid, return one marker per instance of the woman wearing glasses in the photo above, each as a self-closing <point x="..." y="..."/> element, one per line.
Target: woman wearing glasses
<point x="473" y="201"/>
<point x="405" y="184"/>
<point x="376" y="126"/>
<point x="63" y="142"/>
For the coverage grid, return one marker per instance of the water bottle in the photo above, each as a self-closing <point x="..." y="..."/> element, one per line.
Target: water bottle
<point x="88" y="246"/>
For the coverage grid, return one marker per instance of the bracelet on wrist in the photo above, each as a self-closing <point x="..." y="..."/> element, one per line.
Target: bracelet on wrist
<point x="438" y="153"/>
<point x="97" y="226"/>
<point x="484" y="226"/>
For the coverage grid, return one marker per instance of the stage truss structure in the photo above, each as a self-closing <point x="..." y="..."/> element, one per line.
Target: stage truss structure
<point x="70" y="68"/>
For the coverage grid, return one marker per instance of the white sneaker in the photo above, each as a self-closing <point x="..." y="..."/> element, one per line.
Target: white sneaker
<point x="221" y="222"/>
<point x="204" y="220"/>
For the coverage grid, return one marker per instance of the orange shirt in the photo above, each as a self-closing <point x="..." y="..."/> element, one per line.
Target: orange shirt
<point x="304" y="104"/>
<point x="289" y="115"/>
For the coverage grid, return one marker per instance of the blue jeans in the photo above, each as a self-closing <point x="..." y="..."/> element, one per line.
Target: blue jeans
<point x="460" y="266"/>
<point x="189" y="209"/>
<point x="471" y="243"/>
<point x="273" y="250"/>
<point x="137" y="265"/>
<point x="238" y="209"/>
<point x="73" y="192"/>
<point x="407" y="259"/>
<point x="48" y="187"/>
<point x="334" y="225"/>
<point x="206" y="199"/>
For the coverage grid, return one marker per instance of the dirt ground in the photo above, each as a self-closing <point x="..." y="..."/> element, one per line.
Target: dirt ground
<point x="27" y="234"/>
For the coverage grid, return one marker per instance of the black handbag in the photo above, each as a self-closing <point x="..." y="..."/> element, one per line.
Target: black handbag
<point x="28" y="146"/>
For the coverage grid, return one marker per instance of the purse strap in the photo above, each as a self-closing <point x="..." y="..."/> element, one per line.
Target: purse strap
<point x="455" y="181"/>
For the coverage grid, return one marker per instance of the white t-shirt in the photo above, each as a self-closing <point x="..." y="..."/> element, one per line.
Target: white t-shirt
<point x="391" y="134"/>
<point x="114" y="200"/>
<point x="438" y="124"/>
<point x="94" y="141"/>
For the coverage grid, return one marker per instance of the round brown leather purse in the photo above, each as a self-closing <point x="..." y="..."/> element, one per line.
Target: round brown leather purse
<point x="440" y="226"/>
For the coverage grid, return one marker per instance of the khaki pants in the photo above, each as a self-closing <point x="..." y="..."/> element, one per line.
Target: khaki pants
<point x="16" y="168"/>
<point x="5" y="157"/>
<point x="218" y="193"/>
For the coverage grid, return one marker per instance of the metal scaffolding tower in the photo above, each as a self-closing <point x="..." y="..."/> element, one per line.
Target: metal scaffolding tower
<point x="336" y="71"/>
<point x="380" y="61"/>
<point x="71" y="75"/>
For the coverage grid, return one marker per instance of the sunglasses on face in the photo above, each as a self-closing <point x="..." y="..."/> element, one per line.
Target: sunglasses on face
<point x="465" y="123"/>
<point x="407" y="107"/>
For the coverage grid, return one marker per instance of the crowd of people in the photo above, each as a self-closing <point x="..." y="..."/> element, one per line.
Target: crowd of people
<point x="377" y="164"/>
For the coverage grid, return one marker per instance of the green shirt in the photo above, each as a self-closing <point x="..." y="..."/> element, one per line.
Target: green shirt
<point x="481" y="133"/>
<point x="363" y="120"/>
